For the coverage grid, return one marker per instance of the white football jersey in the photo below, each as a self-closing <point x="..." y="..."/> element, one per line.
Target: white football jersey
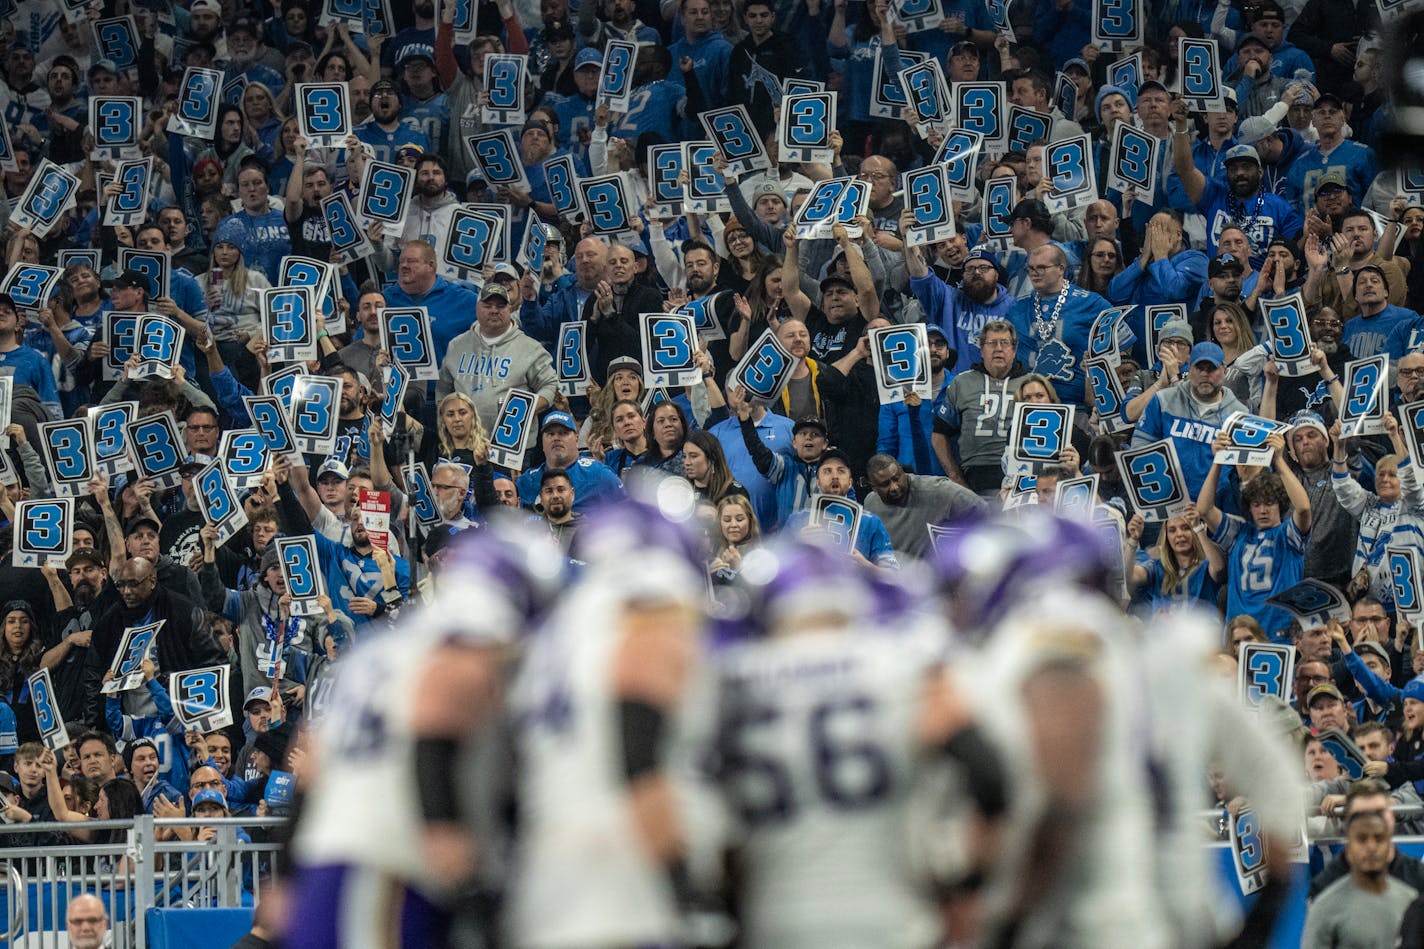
<point x="1104" y="895"/>
<point x="817" y="753"/>
<point x="581" y="877"/>
<point x="364" y="807"/>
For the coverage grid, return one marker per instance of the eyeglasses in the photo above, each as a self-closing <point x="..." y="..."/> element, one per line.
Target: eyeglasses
<point x="985" y="269"/>
<point x="1043" y="268"/>
<point x="1412" y="372"/>
<point x="195" y="427"/>
<point x="129" y="584"/>
<point x="876" y="176"/>
<point x="1312" y="679"/>
<point x="738" y="236"/>
<point x="448" y="487"/>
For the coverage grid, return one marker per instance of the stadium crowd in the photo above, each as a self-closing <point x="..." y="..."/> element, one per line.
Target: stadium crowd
<point x="1278" y="195"/>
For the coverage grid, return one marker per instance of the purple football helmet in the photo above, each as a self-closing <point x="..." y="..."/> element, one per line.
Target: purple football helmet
<point x="989" y="566"/>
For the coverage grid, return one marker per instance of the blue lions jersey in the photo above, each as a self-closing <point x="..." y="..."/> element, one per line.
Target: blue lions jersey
<point x="1262" y="563"/>
<point x="407" y="132"/>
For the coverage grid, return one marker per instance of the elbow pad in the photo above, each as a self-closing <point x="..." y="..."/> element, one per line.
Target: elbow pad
<point x="640" y="725"/>
<point x="435" y="779"/>
<point x="983" y="770"/>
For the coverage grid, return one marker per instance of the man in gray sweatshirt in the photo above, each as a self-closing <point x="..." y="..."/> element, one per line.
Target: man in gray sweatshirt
<point x="494" y="356"/>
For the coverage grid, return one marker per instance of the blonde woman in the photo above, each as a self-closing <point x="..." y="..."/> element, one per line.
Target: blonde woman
<point x="1188" y="568"/>
<point x="737" y="527"/>
<point x="1245" y="359"/>
<point x="459" y="435"/>
<point x="234" y="314"/>
<point x="1039" y="390"/>
<point x="625" y="382"/>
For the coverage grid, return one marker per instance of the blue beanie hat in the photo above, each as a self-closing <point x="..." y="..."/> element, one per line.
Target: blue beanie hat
<point x="1106" y="91"/>
<point x="230" y="232"/>
<point x="1414" y="689"/>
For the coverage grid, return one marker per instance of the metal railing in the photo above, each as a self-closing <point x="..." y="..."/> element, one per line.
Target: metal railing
<point x="134" y="872"/>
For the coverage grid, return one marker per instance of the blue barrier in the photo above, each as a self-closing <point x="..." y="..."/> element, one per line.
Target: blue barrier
<point x="185" y="928"/>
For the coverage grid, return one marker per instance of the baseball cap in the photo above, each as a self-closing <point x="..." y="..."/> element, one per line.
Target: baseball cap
<point x="333" y="466"/>
<point x="1270" y="10"/>
<point x="494" y="290"/>
<point x="1375" y="648"/>
<point x="384" y="85"/>
<point x="194" y="463"/>
<point x="833" y="279"/>
<point x="1328" y="98"/>
<point x="1250" y="39"/>
<point x="412" y="53"/>
<point x="104" y="65"/>
<point x="1255" y="129"/>
<point x="933" y="329"/>
<point x="7" y="300"/>
<point x="1176" y="329"/>
<point x="1221" y="264"/>
<point x="1151" y="84"/>
<point x="964" y="46"/>
<point x="199" y="6"/>
<point x="1240" y="153"/>
<point x="506" y="270"/>
<point x="7" y="783"/>
<point x="1229" y="94"/>
<point x="260" y="694"/>
<point x="209" y="796"/>
<point x="139" y="521"/>
<point x="1080" y="63"/>
<point x="439" y="537"/>
<point x="832" y="453"/>
<point x="1330" y="179"/>
<point x="1327" y="689"/>
<point x="1207" y="352"/>
<point x="588" y="56"/>
<point x="131" y="279"/>
<point x="84" y="555"/>
<point x="810" y="421"/>
<point x="559" y="418"/>
<point x="624" y="362"/>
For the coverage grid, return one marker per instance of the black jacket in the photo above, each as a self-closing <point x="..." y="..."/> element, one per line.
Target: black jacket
<point x="185" y="641"/>
<point x="621" y="333"/>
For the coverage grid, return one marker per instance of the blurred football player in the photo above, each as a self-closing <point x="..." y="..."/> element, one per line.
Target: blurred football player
<point x="599" y="706"/>
<point x="388" y="834"/>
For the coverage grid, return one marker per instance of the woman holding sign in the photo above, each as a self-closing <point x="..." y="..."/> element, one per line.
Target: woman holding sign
<point x="1393" y="515"/>
<point x="21" y="654"/>
<point x="1188" y="569"/>
<point x="231" y="292"/>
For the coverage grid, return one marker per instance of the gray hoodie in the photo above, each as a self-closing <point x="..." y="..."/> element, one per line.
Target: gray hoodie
<point x="485" y="369"/>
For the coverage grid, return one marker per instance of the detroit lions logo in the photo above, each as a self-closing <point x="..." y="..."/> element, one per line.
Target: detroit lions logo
<point x="1319" y="397"/>
<point x="1055" y="361"/>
